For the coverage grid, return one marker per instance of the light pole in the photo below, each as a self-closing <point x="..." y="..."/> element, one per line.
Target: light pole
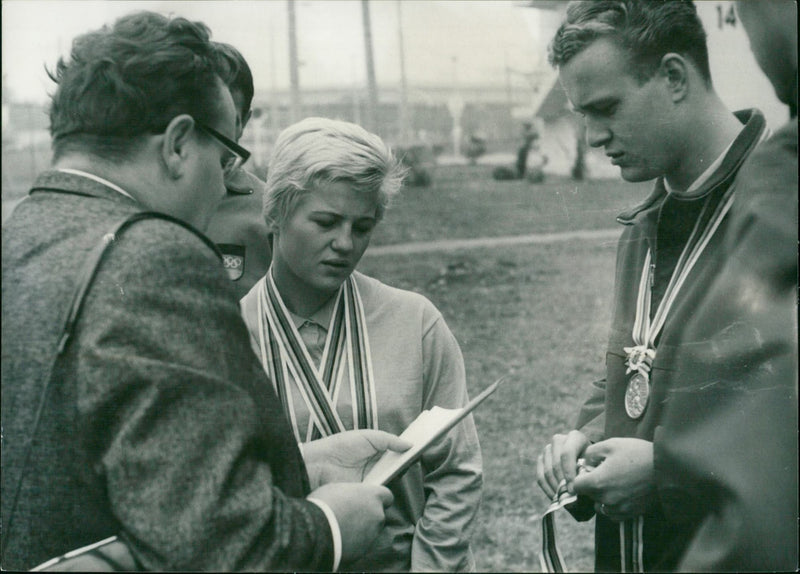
<point x="403" y="115"/>
<point x="456" y="107"/>
<point x="372" y="87"/>
<point x="294" y="66"/>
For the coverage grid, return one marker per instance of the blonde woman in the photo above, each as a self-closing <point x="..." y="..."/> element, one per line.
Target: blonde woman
<point x="345" y="351"/>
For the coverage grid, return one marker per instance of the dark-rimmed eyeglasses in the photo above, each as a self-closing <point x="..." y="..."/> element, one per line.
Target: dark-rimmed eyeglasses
<point x="239" y="154"/>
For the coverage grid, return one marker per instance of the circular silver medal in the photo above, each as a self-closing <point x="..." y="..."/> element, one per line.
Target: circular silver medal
<point x="637" y="394"/>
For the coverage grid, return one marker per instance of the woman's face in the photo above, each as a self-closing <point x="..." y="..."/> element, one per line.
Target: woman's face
<point x="322" y="241"/>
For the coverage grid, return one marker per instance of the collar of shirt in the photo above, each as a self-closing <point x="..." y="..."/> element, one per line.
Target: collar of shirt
<point x="98" y="179"/>
<point x="321" y="318"/>
<point x="314" y="330"/>
<point x="703" y="176"/>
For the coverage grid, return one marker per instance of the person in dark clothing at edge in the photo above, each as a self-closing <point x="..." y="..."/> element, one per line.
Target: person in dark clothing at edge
<point x="638" y="72"/>
<point x="726" y="452"/>
<point x="237" y="226"/>
<point x="158" y="424"/>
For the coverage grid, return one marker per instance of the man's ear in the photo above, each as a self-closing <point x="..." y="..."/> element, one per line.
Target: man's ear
<point x="675" y="70"/>
<point x="174" y="149"/>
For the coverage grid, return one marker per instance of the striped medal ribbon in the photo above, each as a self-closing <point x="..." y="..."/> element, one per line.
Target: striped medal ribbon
<point x="550" y="558"/>
<point x="641" y="356"/>
<point x="289" y="365"/>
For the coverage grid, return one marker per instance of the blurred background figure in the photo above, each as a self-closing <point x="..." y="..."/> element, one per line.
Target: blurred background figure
<point x="476" y="146"/>
<point x="530" y="135"/>
<point x="347" y="351"/>
<point x="420" y="161"/>
<point x="529" y="162"/>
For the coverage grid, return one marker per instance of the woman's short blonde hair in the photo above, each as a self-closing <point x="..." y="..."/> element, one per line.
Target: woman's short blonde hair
<point x="319" y="151"/>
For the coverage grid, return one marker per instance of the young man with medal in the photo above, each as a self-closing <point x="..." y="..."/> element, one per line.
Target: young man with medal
<point x="638" y="72"/>
<point x="726" y="454"/>
<point x="347" y="352"/>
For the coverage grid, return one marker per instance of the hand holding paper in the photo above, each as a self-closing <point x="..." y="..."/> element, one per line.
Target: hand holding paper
<point x="426" y="429"/>
<point x="347" y="456"/>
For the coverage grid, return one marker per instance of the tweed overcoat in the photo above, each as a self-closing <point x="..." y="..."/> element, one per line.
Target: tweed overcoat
<point x="160" y="424"/>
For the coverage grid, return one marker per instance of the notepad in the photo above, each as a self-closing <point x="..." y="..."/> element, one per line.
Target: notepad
<point x="431" y="425"/>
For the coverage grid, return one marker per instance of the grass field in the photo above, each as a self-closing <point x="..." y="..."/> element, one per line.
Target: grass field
<point x="464" y="202"/>
<point x="537" y="313"/>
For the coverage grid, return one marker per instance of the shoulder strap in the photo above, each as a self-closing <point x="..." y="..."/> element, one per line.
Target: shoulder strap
<point x="84" y="283"/>
<point x="92" y="264"/>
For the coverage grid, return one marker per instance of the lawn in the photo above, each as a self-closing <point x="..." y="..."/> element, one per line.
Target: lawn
<point x="464" y="202"/>
<point x="537" y="313"/>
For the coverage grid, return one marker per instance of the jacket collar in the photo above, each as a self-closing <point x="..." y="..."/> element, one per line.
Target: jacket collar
<point x="750" y="135"/>
<point x="62" y="182"/>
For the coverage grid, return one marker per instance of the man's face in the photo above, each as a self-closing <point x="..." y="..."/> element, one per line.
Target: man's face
<point x="627" y="118"/>
<point x="322" y="241"/>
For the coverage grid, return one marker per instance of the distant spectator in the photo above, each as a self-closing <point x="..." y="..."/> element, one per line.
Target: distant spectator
<point x="521" y="169"/>
<point x="530" y="136"/>
<point x="476" y="147"/>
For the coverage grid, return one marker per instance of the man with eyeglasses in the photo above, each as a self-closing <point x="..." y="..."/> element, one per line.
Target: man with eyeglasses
<point x="238" y="227"/>
<point x="154" y="421"/>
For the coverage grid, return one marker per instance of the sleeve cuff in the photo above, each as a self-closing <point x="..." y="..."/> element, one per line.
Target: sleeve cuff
<point x="336" y="534"/>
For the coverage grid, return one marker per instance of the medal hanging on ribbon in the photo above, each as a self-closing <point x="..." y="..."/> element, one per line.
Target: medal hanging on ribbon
<point x="641" y="356"/>
<point x="637" y="394"/>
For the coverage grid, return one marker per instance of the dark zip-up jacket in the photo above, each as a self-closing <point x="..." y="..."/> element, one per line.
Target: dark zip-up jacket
<point x="662" y="223"/>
